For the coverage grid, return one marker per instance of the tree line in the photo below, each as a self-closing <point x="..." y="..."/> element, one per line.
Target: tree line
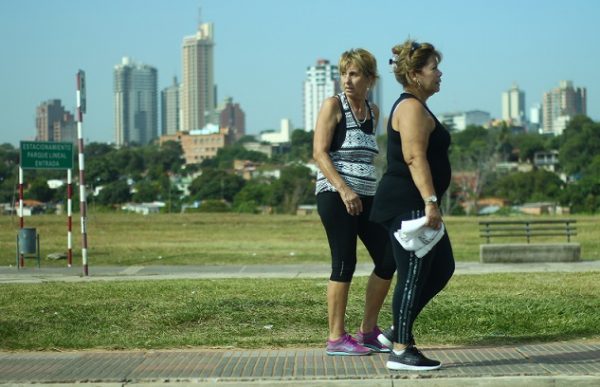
<point x="283" y="181"/>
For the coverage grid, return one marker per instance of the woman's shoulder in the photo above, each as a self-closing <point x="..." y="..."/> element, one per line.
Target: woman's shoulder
<point x="410" y="106"/>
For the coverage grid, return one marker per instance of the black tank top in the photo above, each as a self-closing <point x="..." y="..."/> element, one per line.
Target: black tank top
<point x="397" y="193"/>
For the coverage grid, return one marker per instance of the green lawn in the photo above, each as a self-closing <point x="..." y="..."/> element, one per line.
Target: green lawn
<point x="183" y="239"/>
<point x="264" y="313"/>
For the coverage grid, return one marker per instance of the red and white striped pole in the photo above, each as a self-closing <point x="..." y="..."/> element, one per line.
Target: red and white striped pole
<point x="69" y="217"/>
<point x="21" y="221"/>
<point x="82" y="194"/>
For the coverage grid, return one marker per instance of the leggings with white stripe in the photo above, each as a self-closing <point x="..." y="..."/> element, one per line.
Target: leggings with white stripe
<point x="418" y="279"/>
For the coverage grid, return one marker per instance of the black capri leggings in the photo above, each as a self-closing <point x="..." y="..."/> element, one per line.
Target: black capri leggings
<point x="342" y="231"/>
<point x="418" y="280"/>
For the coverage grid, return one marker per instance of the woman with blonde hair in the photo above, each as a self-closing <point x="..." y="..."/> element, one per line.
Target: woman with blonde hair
<point x="344" y="149"/>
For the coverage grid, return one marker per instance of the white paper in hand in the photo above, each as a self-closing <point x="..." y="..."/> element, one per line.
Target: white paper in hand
<point x="415" y="236"/>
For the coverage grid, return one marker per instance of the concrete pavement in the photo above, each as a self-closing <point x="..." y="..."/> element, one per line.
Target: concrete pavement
<point x="553" y="364"/>
<point x="32" y="274"/>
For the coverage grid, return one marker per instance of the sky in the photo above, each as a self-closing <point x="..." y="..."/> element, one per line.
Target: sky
<point x="263" y="47"/>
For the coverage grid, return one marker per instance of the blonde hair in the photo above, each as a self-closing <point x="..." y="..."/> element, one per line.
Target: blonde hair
<point x="361" y="58"/>
<point x="411" y="56"/>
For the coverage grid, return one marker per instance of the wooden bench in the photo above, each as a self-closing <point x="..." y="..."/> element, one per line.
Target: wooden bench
<point x="527" y="230"/>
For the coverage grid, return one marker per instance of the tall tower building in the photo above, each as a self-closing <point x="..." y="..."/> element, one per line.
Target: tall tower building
<point x="535" y="118"/>
<point x="198" y="99"/>
<point x="136" y="103"/>
<point x="233" y="117"/>
<point x="322" y="81"/>
<point x="513" y="106"/>
<point x="560" y="105"/>
<point x="374" y="95"/>
<point x="53" y="122"/>
<point x="170" y="108"/>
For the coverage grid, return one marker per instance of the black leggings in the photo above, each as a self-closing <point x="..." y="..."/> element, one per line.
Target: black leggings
<point x="418" y="279"/>
<point x="342" y="230"/>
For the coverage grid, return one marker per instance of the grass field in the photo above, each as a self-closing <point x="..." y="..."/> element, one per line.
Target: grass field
<point x="264" y="313"/>
<point x="183" y="239"/>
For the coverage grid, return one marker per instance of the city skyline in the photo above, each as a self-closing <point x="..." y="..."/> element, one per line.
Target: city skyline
<point x="263" y="47"/>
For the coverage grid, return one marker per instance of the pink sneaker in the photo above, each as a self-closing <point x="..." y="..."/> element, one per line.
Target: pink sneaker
<point x="346" y="346"/>
<point x="370" y="341"/>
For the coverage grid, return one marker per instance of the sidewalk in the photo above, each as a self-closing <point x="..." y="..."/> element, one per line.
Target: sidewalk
<point x="555" y="364"/>
<point x="569" y="364"/>
<point x="31" y="274"/>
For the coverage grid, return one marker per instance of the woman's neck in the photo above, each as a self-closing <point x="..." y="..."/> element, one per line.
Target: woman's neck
<point x="417" y="93"/>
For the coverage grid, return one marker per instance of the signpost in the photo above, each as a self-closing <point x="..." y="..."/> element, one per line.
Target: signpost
<point x="59" y="155"/>
<point x="46" y="155"/>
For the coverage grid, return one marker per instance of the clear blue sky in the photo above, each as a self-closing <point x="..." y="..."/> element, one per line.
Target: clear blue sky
<point x="264" y="46"/>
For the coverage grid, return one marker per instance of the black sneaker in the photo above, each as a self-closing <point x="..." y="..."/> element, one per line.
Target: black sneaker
<point x="386" y="338"/>
<point x="411" y="360"/>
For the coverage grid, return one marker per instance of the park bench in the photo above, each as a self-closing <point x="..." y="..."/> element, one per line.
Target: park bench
<point x="518" y="231"/>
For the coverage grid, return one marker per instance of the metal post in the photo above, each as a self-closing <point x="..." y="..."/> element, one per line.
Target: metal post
<point x="82" y="194"/>
<point x="37" y="238"/>
<point x="21" y="262"/>
<point x="69" y="217"/>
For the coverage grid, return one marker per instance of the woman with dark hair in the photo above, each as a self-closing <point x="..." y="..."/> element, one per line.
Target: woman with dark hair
<point x="417" y="176"/>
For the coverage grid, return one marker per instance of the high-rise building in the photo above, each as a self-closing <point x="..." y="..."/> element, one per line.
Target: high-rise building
<point x="513" y="106"/>
<point x="136" y="103"/>
<point x="233" y="117"/>
<point x="535" y="118"/>
<point x="198" y="94"/>
<point x="54" y="123"/>
<point x="170" y="108"/>
<point x="322" y="81"/>
<point x="560" y="105"/>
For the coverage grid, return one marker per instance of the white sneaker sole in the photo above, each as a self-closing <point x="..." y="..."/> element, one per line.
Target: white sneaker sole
<point x="340" y="353"/>
<point x="406" y="367"/>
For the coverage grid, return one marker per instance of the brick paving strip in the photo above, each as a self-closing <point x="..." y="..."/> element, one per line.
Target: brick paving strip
<point x="209" y="365"/>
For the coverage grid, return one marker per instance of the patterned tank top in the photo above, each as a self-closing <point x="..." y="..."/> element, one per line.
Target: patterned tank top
<point x="353" y="149"/>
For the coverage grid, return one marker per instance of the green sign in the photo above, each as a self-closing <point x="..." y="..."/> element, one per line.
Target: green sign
<point x="46" y="155"/>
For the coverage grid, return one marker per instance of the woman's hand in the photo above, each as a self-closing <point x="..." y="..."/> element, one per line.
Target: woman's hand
<point x="434" y="216"/>
<point x="351" y="200"/>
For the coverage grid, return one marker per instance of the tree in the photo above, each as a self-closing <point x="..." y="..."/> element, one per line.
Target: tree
<point x="225" y="157"/>
<point x="216" y="184"/>
<point x="115" y="193"/>
<point x="102" y="169"/>
<point x="473" y="151"/>
<point x="254" y="193"/>
<point x="580" y="142"/>
<point x="296" y="186"/>
<point x="528" y="144"/>
<point x="302" y="145"/>
<point x="584" y="194"/>
<point x="146" y="191"/>
<point x="9" y="161"/>
<point x="39" y="190"/>
<point x="523" y="187"/>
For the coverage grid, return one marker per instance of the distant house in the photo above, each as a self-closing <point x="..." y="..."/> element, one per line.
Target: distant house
<point x="143" y="208"/>
<point x="546" y="159"/>
<point x="541" y="208"/>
